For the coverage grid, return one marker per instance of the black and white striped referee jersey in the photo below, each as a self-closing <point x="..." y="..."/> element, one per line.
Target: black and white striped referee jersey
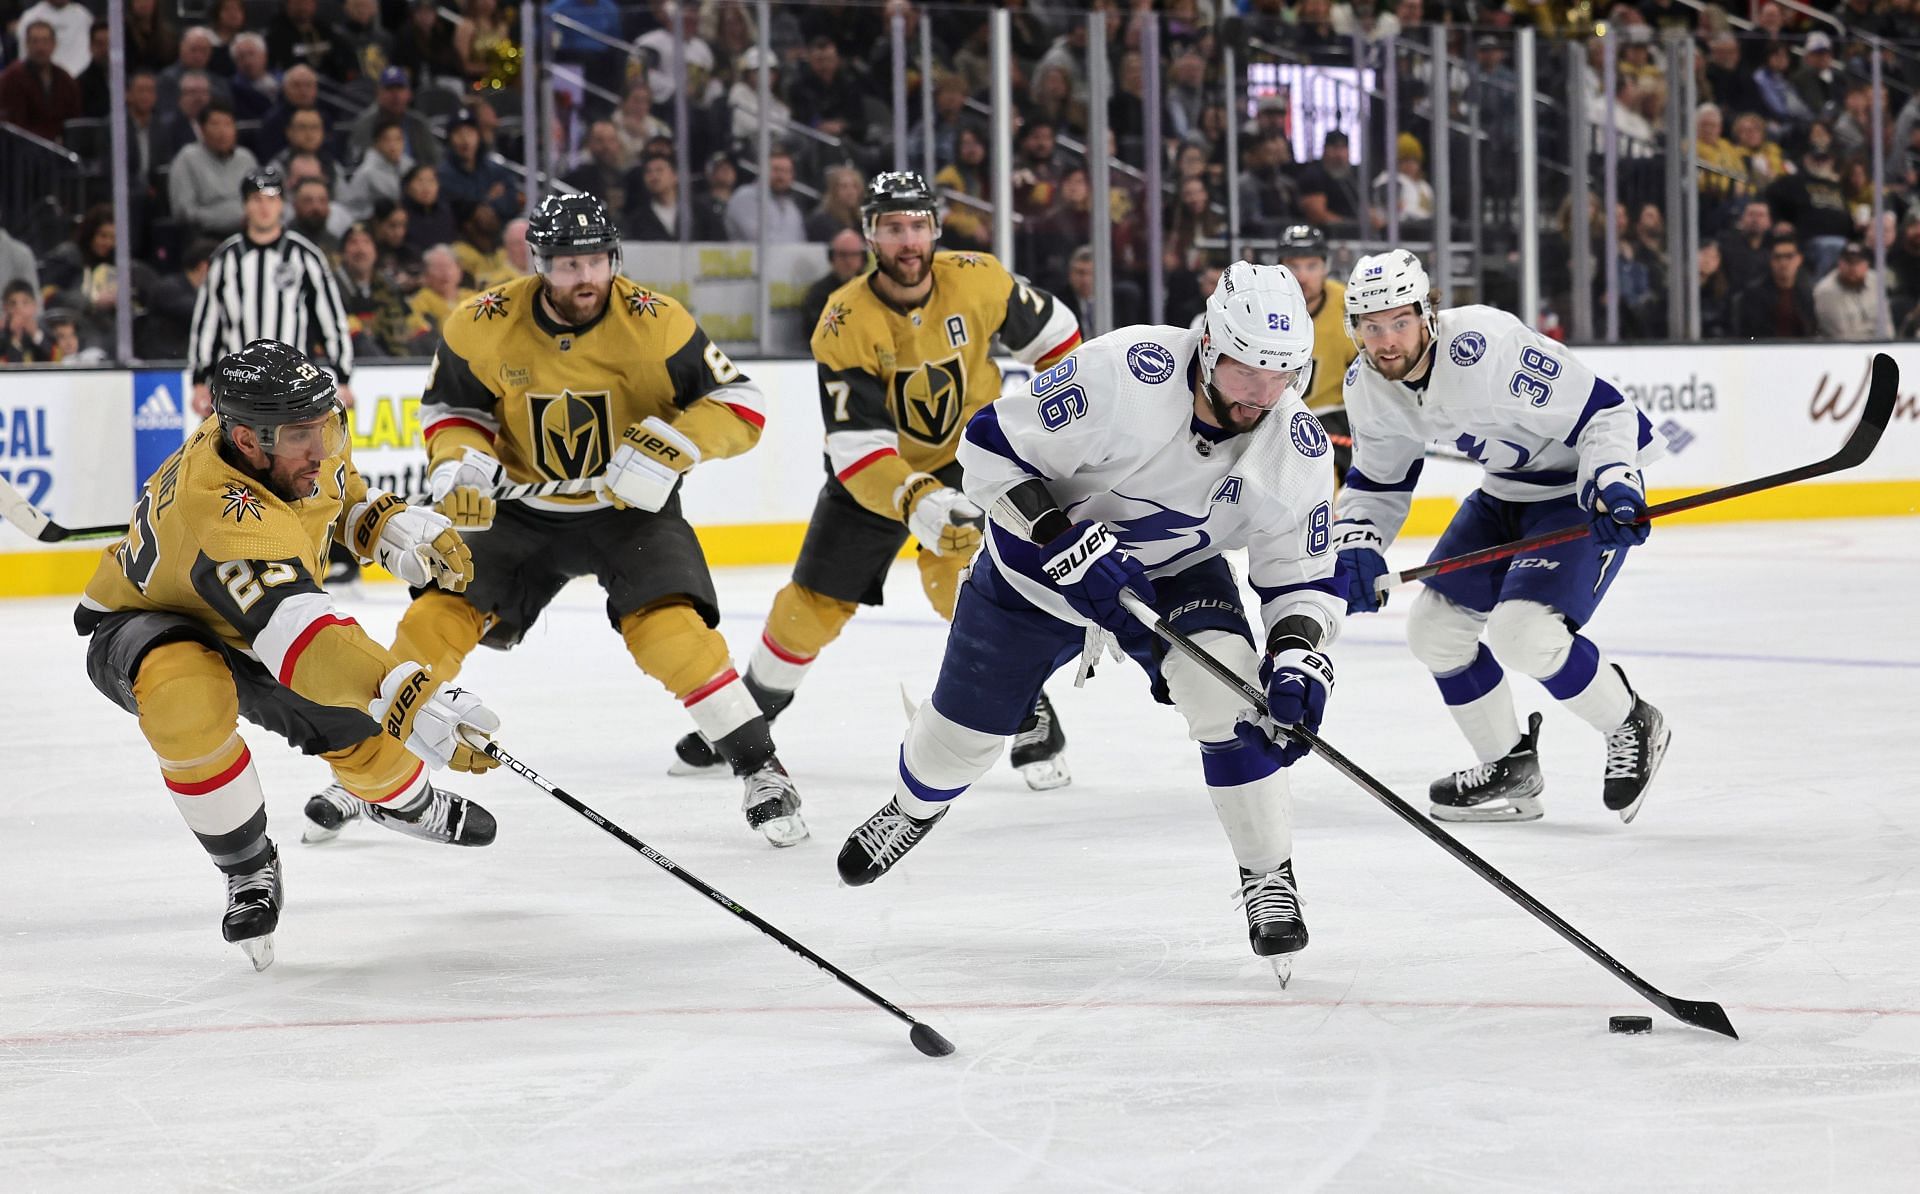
<point x="282" y="290"/>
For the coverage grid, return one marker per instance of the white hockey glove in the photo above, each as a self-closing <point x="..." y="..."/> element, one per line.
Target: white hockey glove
<point x="648" y="464"/>
<point x="941" y="517"/>
<point x="462" y="488"/>
<point x="417" y="545"/>
<point x="428" y="717"/>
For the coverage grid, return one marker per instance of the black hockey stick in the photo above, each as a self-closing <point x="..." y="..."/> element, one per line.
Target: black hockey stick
<point x="1699" y="1014"/>
<point x="923" y="1036"/>
<point x="32" y="520"/>
<point x="1882" y="390"/>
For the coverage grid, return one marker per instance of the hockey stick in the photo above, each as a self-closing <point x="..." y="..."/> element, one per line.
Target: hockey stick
<point x="35" y="522"/>
<point x="1882" y="390"/>
<point x="528" y="489"/>
<point x="1701" y="1015"/>
<point x="923" y="1036"/>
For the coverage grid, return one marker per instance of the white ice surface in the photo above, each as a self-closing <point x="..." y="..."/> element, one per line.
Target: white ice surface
<point x="555" y="1012"/>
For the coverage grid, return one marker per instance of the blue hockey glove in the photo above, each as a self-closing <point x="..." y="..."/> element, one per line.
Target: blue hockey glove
<point x="1298" y="682"/>
<point x="1618" y="502"/>
<point x="1086" y="566"/>
<point x="1361" y="564"/>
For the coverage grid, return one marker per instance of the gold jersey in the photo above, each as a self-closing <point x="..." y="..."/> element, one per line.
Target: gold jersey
<point x="1333" y="349"/>
<point x="210" y="543"/>
<point x="897" y="385"/>
<point x="550" y="400"/>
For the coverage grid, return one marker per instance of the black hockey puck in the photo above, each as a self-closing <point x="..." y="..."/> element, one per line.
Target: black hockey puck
<point x="1630" y="1024"/>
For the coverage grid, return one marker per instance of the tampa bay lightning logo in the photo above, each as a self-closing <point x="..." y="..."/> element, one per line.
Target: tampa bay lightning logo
<point x="1150" y="362"/>
<point x="1308" y="435"/>
<point x="1149" y="534"/>
<point x="1467" y="348"/>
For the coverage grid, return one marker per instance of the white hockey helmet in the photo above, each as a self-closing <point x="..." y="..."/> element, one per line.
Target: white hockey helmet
<point x="1384" y="281"/>
<point x="1258" y="316"/>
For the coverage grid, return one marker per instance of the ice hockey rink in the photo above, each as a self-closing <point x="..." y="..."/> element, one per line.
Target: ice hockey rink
<point x="555" y="1012"/>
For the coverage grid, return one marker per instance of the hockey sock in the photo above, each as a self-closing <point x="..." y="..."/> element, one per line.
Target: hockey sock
<point x="439" y="630"/>
<point x="774" y="673"/>
<point x="189" y="714"/>
<point x="1590" y="687"/>
<point x="1481" y="702"/>
<point x="939" y="760"/>
<point x="1251" y="797"/>
<point x="219" y="797"/>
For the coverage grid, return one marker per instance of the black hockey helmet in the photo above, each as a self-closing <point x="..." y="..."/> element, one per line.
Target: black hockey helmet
<point x="572" y="224"/>
<point x="265" y="181"/>
<point x="1303" y="240"/>
<point x="898" y="190"/>
<point x="267" y="385"/>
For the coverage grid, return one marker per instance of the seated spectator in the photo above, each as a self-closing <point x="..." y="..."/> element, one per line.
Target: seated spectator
<point x="82" y="274"/>
<point x="1193" y="218"/>
<point x="967" y="225"/>
<point x="394" y="102"/>
<point x="604" y="172"/>
<point x="307" y="135"/>
<point x="715" y="190"/>
<point x="1268" y="198"/>
<point x="150" y="38"/>
<point x="1762" y="159"/>
<point x="1786" y="113"/>
<point x="376" y="314"/>
<point x="24" y="343"/>
<point x="1903" y="263"/>
<point x="226" y="21"/>
<point x="399" y="261"/>
<point x="1730" y="82"/>
<point x="482" y="258"/>
<point x="1818" y="81"/>
<point x="299" y="91"/>
<point x="255" y="88"/>
<point x="1052" y="99"/>
<point x="1815" y="205"/>
<point x="96" y="88"/>
<point x="1716" y="294"/>
<point x="1853" y="127"/>
<point x="36" y="94"/>
<point x="1778" y="306"/>
<point x="513" y="243"/>
<point x="839" y="206"/>
<point x="440" y="292"/>
<point x="160" y="331"/>
<point x="1037" y="167"/>
<point x="655" y="51"/>
<point x="430" y="219"/>
<point x="1720" y="166"/>
<point x="296" y="37"/>
<point x="381" y="171"/>
<point x="1846" y="303"/>
<point x="743" y="99"/>
<point x="949" y="116"/>
<point x="424" y="45"/>
<point x="846" y="260"/>
<point x="825" y="95"/>
<point x="1744" y="248"/>
<point x="636" y="124"/>
<point x="653" y="205"/>
<point x="484" y="42"/>
<point x="1330" y="189"/>
<point x="196" y="57"/>
<point x="17" y="262"/>
<point x="468" y="175"/>
<point x="315" y="217"/>
<point x="203" y="187"/>
<point x="786" y="224"/>
<point x="363" y="46"/>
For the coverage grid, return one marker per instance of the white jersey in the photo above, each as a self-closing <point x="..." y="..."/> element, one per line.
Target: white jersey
<point x="1111" y="432"/>
<point x="1538" y="420"/>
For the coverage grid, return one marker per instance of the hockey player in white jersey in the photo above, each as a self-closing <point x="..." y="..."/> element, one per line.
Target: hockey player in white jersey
<point x="1133" y="464"/>
<point x="1560" y="446"/>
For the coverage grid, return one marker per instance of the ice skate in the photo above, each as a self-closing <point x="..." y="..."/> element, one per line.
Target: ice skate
<point x="1039" y="749"/>
<point x="253" y="910"/>
<point x="772" y="805"/>
<point x="694" y="755"/>
<point x="1275" y="927"/>
<point x="330" y="811"/>
<point x="1507" y="789"/>
<point x="438" y="816"/>
<point x="881" y="841"/>
<point x="1635" y="749"/>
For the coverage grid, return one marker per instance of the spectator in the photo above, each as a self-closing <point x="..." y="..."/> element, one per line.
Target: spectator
<point x="1187" y="95"/>
<point x="1853" y="128"/>
<point x="440" y="292"/>
<point x="1052" y="99"/>
<point x="1720" y="167"/>
<point x="376" y="313"/>
<point x="203" y="188"/>
<point x="424" y="45"/>
<point x="743" y="100"/>
<point x="1037" y="169"/>
<point x="839" y="206"/>
<point x="717" y="185"/>
<point x="381" y="172"/>
<point x="399" y="260"/>
<point x="1077" y="294"/>
<point x="1815" y="204"/>
<point x="483" y="40"/>
<point x="430" y="219"/>
<point x="653" y="209"/>
<point x="1728" y="79"/>
<point x="1780" y="305"/>
<point x="394" y="102"/>
<point x="949" y="115"/>
<point x="1716" y="294"/>
<point x="636" y="123"/>
<point x="1786" y="113"/>
<point x="160" y="331"/>
<point x="1194" y="218"/>
<point x="314" y="216"/>
<point x="604" y="172"/>
<point x="824" y="95"/>
<point x="150" y="39"/>
<point x="482" y="258"/>
<point x="514" y="244"/>
<point x="1268" y="199"/>
<point x="1846" y="303"/>
<point x="24" y="343"/>
<point x="1817" y="81"/>
<point x="83" y="276"/>
<point x="255" y="89"/>
<point x="195" y="57"/>
<point x="1329" y="188"/>
<point x="1406" y="187"/>
<point x="35" y="94"/>
<point x="296" y="38"/>
<point x="307" y="135"/>
<point x="363" y="47"/>
<point x="846" y="260"/>
<point x="1762" y="158"/>
<point x="96" y="88"/>
<point x="469" y="176"/>
<point x="967" y="225"/>
<point x="1744" y="249"/>
<point x="655" y="49"/>
<point x="63" y="332"/>
<point x="1903" y="263"/>
<point x="72" y="27"/>
<point x="299" y="90"/>
<point x="226" y="21"/>
<point x="786" y="224"/>
<point x="17" y="262"/>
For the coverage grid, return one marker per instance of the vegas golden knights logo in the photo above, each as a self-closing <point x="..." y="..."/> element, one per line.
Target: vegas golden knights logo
<point x="570" y="433"/>
<point x="927" y="400"/>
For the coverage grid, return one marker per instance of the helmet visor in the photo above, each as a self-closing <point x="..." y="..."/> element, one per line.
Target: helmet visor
<point x="1240" y="384"/>
<point x="319" y="438"/>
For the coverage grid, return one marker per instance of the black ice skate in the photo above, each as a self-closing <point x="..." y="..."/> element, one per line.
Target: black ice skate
<point x="437" y="816"/>
<point x="887" y="835"/>
<point x="1039" y="749"/>
<point x="253" y="909"/>
<point x="329" y="812"/>
<point x="772" y="804"/>
<point x="1275" y="926"/>
<point x="694" y="755"/>
<point x="1506" y="789"/>
<point x="1634" y="750"/>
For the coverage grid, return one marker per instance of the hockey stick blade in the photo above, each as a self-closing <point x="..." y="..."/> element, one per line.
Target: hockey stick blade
<point x="35" y="522"/>
<point x="1883" y="389"/>
<point x="923" y="1037"/>
<point x="1702" y="1015"/>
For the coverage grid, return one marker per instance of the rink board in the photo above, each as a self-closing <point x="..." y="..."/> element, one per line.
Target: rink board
<point x="77" y="444"/>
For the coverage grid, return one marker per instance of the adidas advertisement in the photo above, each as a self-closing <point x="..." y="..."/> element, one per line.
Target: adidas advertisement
<point x="159" y="419"/>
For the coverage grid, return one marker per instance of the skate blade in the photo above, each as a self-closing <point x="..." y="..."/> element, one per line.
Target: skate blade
<point x="259" y="951"/>
<point x="1047" y="774"/>
<point x="315" y="834"/>
<point x="785" y="831"/>
<point x="1628" y="813"/>
<point x="1523" y="808"/>
<point x="680" y="766"/>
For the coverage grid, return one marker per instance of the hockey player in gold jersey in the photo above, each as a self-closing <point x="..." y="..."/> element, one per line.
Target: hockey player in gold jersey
<point x="577" y="372"/>
<point x="903" y="355"/>
<point x="1303" y="250"/>
<point x="211" y="607"/>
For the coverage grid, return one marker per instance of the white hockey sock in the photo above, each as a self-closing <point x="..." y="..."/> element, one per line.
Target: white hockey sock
<point x="1253" y="801"/>
<point x="775" y="668"/>
<point x="721" y="706"/>
<point x="1604" y="700"/>
<point x="939" y="760"/>
<point x="1489" y="723"/>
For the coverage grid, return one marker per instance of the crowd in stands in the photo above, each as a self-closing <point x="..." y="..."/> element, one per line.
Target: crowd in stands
<point x="396" y="127"/>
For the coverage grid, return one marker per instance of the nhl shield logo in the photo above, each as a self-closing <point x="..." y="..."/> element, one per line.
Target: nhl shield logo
<point x="570" y="432"/>
<point x="927" y="401"/>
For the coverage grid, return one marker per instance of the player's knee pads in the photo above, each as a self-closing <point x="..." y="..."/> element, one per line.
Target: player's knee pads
<point x="438" y="631"/>
<point x="802" y="622"/>
<point x="672" y="643"/>
<point x="1443" y="636"/>
<point x="1210" y="707"/>
<point x="189" y="710"/>
<point x="1529" y="637"/>
<point x="941" y="753"/>
<point x="940" y="579"/>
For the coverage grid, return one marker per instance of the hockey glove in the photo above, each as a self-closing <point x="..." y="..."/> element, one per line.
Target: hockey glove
<point x="1086" y="566"/>
<point x="648" y="464"/>
<point x="419" y="546"/>
<point x="940" y="516"/>
<point x="462" y="488"/>
<point x="1618" y="500"/>
<point x="427" y="717"/>
<point x="1361" y="565"/>
<point x="1298" y="682"/>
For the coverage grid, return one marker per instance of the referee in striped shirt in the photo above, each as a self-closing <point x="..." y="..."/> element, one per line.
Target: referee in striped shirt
<point x="267" y="281"/>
